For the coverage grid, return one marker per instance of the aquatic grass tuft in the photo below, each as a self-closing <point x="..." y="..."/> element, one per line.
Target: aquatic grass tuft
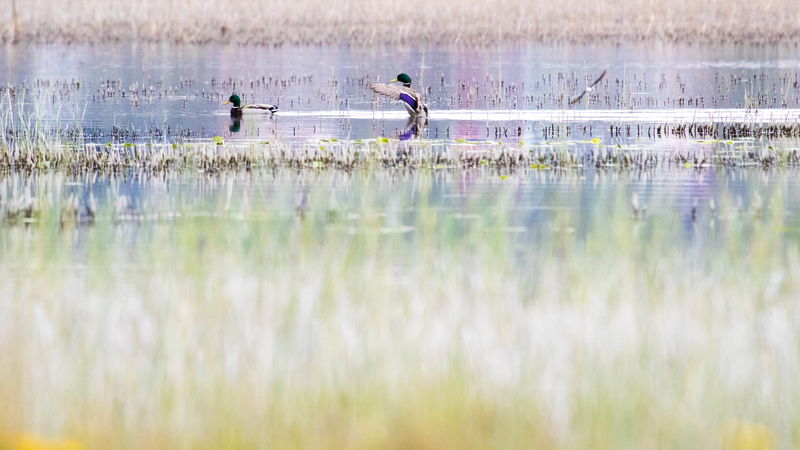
<point x="216" y="155"/>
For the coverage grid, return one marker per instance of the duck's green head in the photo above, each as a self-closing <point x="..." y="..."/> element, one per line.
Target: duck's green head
<point x="235" y="100"/>
<point x="403" y="78"/>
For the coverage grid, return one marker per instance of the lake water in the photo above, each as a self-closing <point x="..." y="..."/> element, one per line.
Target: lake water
<point x="140" y="93"/>
<point x="322" y="91"/>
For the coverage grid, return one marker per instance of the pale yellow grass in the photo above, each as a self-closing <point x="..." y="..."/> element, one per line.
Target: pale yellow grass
<point x="403" y="22"/>
<point x="238" y="324"/>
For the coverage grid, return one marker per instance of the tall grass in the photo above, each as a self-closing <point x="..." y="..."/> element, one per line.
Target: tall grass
<point x="355" y="310"/>
<point x="403" y="22"/>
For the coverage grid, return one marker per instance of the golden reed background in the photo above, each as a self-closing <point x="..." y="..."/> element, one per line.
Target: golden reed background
<point x="361" y="22"/>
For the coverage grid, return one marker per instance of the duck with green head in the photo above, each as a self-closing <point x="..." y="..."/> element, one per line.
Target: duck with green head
<point x="403" y="92"/>
<point x="238" y="109"/>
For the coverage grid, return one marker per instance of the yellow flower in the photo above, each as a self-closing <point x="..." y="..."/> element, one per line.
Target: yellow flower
<point x="749" y="436"/>
<point x="26" y="441"/>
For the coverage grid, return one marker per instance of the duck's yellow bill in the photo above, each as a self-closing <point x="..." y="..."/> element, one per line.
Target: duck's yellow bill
<point x="393" y="80"/>
<point x="226" y="102"/>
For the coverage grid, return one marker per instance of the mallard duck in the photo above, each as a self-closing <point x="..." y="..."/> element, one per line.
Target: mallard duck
<point x="238" y="108"/>
<point x="410" y="98"/>
<point x="588" y="89"/>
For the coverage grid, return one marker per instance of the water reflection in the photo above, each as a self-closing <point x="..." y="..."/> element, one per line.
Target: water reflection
<point x="236" y="125"/>
<point x="415" y="127"/>
<point x="533" y="199"/>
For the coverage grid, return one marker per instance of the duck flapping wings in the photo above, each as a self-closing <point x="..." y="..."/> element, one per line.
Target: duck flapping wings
<point x="588" y="88"/>
<point x="409" y="97"/>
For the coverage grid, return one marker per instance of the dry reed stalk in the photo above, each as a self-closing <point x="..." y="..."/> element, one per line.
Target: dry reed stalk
<point x="411" y="21"/>
<point x="15" y="19"/>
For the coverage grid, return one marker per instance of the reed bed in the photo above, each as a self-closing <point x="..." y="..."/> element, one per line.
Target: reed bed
<point x="402" y="22"/>
<point x="376" y="319"/>
<point x="217" y="155"/>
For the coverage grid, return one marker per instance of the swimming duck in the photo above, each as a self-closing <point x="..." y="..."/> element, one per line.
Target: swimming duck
<point x="410" y="98"/>
<point x="238" y="108"/>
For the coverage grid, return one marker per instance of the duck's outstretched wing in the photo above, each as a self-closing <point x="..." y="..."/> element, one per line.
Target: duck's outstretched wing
<point x="599" y="79"/>
<point x="389" y="90"/>
<point x="577" y="99"/>
<point x="261" y="106"/>
<point x="404" y="94"/>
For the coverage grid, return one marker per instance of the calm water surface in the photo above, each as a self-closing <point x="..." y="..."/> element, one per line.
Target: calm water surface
<point x="322" y="91"/>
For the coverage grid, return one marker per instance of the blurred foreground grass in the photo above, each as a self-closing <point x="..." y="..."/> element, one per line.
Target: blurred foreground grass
<point x="374" y="318"/>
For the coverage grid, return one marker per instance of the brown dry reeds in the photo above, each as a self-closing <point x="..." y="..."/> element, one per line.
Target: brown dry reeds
<point x="403" y="22"/>
<point x="215" y="156"/>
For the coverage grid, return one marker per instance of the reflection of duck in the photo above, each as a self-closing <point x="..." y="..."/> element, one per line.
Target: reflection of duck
<point x="238" y="108"/>
<point x="414" y="128"/>
<point x="235" y="125"/>
<point x="410" y="98"/>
